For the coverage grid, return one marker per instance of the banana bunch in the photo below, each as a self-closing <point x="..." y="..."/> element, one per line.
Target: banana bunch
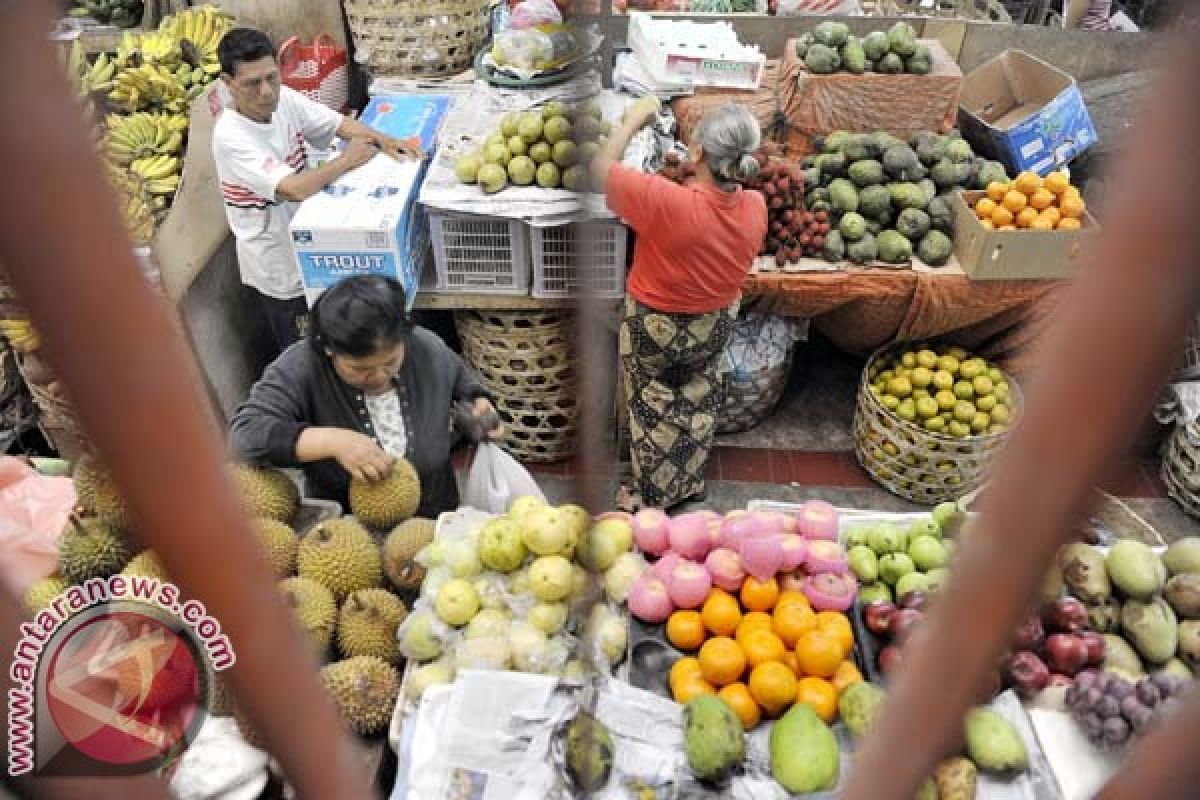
<point x="202" y="27"/>
<point x="99" y="77"/>
<point x="144" y="134"/>
<point x="20" y="334"/>
<point x="159" y="173"/>
<point x="149" y="86"/>
<point x="136" y="203"/>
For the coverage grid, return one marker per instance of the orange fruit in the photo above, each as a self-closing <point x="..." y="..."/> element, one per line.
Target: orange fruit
<point x="987" y="224"/>
<point x="773" y="687"/>
<point x="721" y="613"/>
<point x="789" y="621"/>
<point x="789" y="660"/>
<point x="758" y="595"/>
<point x="761" y="647"/>
<point x="1002" y="216"/>
<point x="690" y="688"/>
<point x="819" y="695"/>
<point x="1042" y="223"/>
<point x="818" y="653"/>
<point x="685" y="667"/>
<point x="1026" y="217"/>
<point x="1027" y="183"/>
<point x="1052" y="213"/>
<point x="1014" y="201"/>
<point x="1072" y="206"/>
<point x="737" y="696"/>
<point x="1056" y="182"/>
<point x="1007" y="228"/>
<point x="721" y="661"/>
<point x="1042" y="199"/>
<point x="753" y="621"/>
<point x="847" y="674"/>
<point x="1069" y="224"/>
<point x="685" y="630"/>
<point x="837" y="625"/>
<point x="792" y="597"/>
<point x="996" y="190"/>
<point x="985" y="207"/>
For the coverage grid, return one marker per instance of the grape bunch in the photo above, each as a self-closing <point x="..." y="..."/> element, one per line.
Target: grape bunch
<point x="1111" y="710"/>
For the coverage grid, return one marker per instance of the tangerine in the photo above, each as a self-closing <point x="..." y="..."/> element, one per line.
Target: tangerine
<point x="789" y="597"/>
<point x="737" y="696"/>
<point x="987" y="224"/>
<point x="1007" y="228"/>
<point x="1002" y="216"/>
<point x="690" y="688"/>
<point x="1042" y="223"/>
<point x="996" y="190"/>
<point x="1042" y="199"/>
<point x="1057" y="182"/>
<point x="819" y="695"/>
<point x="683" y="668"/>
<point x="1027" y="182"/>
<point x="1052" y="213"/>
<point x="837" y="625"/>
<point x="1069" y="224"/>
<point x="754" y="621"/>
<point x="985" y="207"/>
<point x="722" y="661"/>
<point x="818" y="653"/>
<point x="773" y="687"/>
<point x="721" y="613"/>
<point x="759" y="595"/>
<point x="847" y="674"/>
<point x="761" y="647"/>
<point x="1026" y="218"/>
<point x="789" y="621"/>
<point x="790" y="661"/>
<point x="1014" y="201"/>
<point x="1072" y="206"/>
<point x="685" y="630"/>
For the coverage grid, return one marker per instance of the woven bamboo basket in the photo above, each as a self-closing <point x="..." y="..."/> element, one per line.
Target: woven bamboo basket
<point x="749" y="402"/>
<point x="915" y="463"/>
<point x="1180" y="470"/>
<point x="525" y="359"/>
<point x="417" y="38"/>
<point x="1189" y="367"/>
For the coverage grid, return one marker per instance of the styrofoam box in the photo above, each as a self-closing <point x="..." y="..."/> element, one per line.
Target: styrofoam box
<point x="699" y="53"/>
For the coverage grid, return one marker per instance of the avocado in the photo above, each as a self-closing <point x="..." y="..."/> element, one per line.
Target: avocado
<point x="857" y="148"/>
<point x="990" y="172"/>
<point x="901" y="163"/>
<point x="902" y="40"/>
<point x="875" y="45"/>
<point x="831" y="164"/>
<point x="834" y="142"/>
<point x="853" y="58"/>
<point x="804" y="41"/>
<point x="832" y="34"/>
<point x="874" y="200"/>
<point x="959" y="151"/>
<point x="822" y="60"/>
<point x="852" y="226"/>
<point x="894" y="248"/>
<point x="941" y="216"/>
<point x="929" y="188"/>
<point x="891" y="64"/>
<point x="912" y="223"/>
<point x="907" y="195"/>
<point x="865" y="173"/>
<point x="834" y="248"/>
<point x="947" y="173"/>
<point x="920" y="62"/>
<point x="843" y="195"/>
<point x="864" y="251"/>
<point x="935" y="248"/>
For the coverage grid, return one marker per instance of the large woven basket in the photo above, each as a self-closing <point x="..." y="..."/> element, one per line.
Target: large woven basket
<point x="1180" y="470"/>
<point x="417" y="38"/>
<point x="525" y="359"/>
<point x="749" y="401"/>
<point x="1189" y="367"/>
<point x="911" y="461"/>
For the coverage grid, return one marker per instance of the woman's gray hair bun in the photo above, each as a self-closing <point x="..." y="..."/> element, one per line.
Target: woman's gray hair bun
<point x="728" y="136"/>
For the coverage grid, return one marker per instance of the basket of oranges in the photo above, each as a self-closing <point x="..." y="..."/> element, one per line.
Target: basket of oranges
<point x="1028" y="228"/>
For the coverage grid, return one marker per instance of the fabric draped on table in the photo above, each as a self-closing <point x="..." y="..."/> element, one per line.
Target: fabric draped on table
<point x="675" y="378"/>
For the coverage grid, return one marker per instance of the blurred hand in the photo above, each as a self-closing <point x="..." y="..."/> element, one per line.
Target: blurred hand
<point x="403" y="149"/>
<point x="643" y="111"/>
<point x="360" y="455"/>
<point x="484" y="411"/>
<point x="359" y="152"/>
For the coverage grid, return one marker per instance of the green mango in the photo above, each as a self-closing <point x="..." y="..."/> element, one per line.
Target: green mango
<point x="1135" y="569"/>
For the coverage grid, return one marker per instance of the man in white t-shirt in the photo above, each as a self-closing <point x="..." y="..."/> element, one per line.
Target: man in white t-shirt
<point x="260" y="149"/>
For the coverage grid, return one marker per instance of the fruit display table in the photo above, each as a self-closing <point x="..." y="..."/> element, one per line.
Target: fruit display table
<point x="863" y="309"/>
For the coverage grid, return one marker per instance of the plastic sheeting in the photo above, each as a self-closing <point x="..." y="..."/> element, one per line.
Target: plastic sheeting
<point x="34" y="509"/>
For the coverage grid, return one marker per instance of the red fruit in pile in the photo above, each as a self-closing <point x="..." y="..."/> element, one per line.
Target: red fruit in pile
<point x="818" y="241"/>
<point x="1030" y="635"/>
<point x="776" y="202"/>
<point x="902" y="624"/>
<point x="1065" y="615"/>
<point x="784" y="184"/>
<point x="1066" y="653"/>
<point x="1027" y="672"/>
<point x="1096" y="647"/>
<point x="877" y="616"/>
<point x="890" y="659"/>
<point x="821" y="216"/>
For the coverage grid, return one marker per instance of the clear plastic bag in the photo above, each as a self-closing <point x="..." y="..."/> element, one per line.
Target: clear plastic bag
<point x="496" y="479"/>
<point x="532" y="13"/>
<point x="422" y="636"/>
<point x="523" y="49"/>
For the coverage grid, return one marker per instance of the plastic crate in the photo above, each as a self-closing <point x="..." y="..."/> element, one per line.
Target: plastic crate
<point x="478" y="253"/>
<point x="584" y="258"/>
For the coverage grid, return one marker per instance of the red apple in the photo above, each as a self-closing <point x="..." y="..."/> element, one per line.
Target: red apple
<point x="1027" y="673"/>
<point x="1030" y="635"/>
<point x="1066" y="653"/>
<point x="1095" y="647"/>
<point x="890" y="659"/>
<point x="1065" y="615"/>
<point x="902" y="623"/>
<point x="877" y="616"/>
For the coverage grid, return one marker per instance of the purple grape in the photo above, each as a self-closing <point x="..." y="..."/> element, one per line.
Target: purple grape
<point x="1178" y="685"/>
<point x="1120" y="689"/>
<point x="1085" y="679"/>
<point x="1093" y="724"/>
<point x="1092" y="698"/>
<point x="1132" y="706"/>
<point x="1108" y="706"/>
<point x="1140" y="719"/>
<point x="1165" y="683"/>
<point x="1073" y="695"/>
<point x="1103" y="681"/>
<point x="1116" y="731"/>
<point x="1148" y="693"/>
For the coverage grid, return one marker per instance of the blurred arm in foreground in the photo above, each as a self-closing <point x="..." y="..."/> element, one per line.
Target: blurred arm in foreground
<point x="1100" y="370"/>
<point x="110" y="338"/>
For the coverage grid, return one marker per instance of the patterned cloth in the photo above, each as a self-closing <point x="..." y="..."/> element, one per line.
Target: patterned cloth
<point x="675" y="382"/>
<point x="388" y="420"/>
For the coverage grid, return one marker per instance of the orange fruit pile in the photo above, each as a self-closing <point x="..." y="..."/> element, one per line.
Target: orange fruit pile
<point x="762" y="651"/>
<point x="1032" y="203"/>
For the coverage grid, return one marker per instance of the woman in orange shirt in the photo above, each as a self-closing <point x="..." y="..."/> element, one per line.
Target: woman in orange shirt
<point x="695" y="245"/>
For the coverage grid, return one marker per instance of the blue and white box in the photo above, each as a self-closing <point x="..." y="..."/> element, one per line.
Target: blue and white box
<point x="368" y="222"/>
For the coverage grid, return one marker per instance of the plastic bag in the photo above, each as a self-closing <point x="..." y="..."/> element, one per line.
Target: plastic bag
<point x="531" y="13"/>
<point x="424" y="637"/>
<point x="542" y="48"/>
<point x="496" y="479"/>
<point x="33" y="512"/>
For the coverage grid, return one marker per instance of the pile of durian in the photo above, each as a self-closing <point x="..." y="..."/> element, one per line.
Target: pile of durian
<point x="341" y="579"/>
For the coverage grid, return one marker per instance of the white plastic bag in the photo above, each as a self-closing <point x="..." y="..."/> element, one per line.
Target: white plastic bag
<point x="496" y="479"/>
<point x="531" y="13"/>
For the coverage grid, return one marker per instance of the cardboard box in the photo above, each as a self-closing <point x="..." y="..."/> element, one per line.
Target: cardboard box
<point x="1024" y="112"/>
<point x="988" y="255"/>
<point x="694" y="53"/>
<point x="368" y="222"/>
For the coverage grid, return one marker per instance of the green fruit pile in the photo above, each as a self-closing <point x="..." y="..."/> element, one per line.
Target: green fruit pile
<point x="550" y="147"/>
<point x="946" y="391"/>
<point x="830" y="47"/>
<point x="888" y="199"/>
<point x="121" y="13"/>
<point x="890" y="560"/>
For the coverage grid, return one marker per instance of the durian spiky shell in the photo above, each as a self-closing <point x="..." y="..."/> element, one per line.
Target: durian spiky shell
<point x="40" y="593"/>
<point x="314" y="609"/>
<point x="386" y="503"/>
<point x="266" y="492"/>
<point x="279" y="544"/>
<point x="367" y="625"/>
<point x="95" y="491"/>
<point x="91" y="548"/>
<point x="364" y="689"/>
<point x="146" y="564"/>
<point x="401" y="547"/>
<point x="340" y="555"/>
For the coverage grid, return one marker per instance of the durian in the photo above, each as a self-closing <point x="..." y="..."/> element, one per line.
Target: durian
<point x="147" y="565"/>
<point x="365" y="689"/>
<point x="95" y="491"/>
<point x="42" y="592"/>
<point x="368" y="622"/>
<point x="314" y="608"/>
<point x="386" y="503"/>
<point x="401" y="547"/>
<point x="267" y="492"/>
<point x="91" y="548"/>
<point x="340" y="555"/>
<point x="279" y="543"/>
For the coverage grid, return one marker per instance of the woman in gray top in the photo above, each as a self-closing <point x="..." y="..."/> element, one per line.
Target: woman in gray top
<point x="366" y="388"/>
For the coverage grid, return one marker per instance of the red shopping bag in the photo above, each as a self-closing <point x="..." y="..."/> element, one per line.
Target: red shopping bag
<point x="320" y="70"/>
